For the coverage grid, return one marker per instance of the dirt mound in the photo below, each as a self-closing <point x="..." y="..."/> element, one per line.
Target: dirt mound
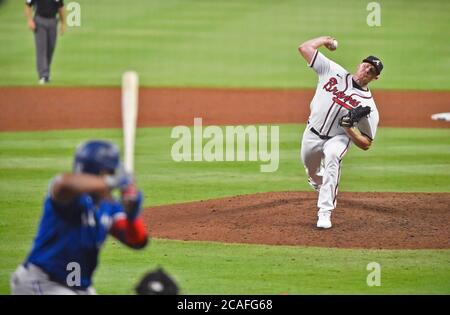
<point x="362" y="220"/>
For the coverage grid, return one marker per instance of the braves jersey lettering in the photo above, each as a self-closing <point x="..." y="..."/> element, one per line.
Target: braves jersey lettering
<point x="339" y="96"/>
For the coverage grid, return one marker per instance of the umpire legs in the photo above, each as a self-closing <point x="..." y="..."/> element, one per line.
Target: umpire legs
<point x="45" y="39"/>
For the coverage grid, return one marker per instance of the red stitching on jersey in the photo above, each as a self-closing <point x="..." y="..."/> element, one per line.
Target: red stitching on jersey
<point x="331" y="86"/>
<point x="341" y="103"/>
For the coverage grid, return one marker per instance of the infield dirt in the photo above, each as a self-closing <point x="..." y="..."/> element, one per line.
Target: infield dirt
<point x="71" y="108"/>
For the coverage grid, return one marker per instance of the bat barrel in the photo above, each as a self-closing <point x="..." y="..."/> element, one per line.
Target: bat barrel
<point x="130" y="87"/>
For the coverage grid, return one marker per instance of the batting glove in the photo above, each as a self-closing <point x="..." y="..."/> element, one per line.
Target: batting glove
<point x="120" y="181"/>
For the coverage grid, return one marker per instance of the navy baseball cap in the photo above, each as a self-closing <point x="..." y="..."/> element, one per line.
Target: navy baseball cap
<point x="376" y="62"/>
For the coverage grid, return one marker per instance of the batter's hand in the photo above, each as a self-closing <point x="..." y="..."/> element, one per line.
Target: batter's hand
<point x="130" y="192"/>
<point x="120" y="181"/>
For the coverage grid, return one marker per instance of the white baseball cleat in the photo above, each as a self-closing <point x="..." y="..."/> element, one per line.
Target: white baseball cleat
<point x="324" y="220"/>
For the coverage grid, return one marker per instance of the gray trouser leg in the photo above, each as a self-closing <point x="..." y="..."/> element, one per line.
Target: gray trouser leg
<point x="45" y="39"/>
<point x="40" y="38"/>
<point x="51" y="43"/>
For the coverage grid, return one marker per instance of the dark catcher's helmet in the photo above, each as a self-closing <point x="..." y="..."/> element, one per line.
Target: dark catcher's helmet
<point x="96" y="156"/>
<point x="157" y="282"/>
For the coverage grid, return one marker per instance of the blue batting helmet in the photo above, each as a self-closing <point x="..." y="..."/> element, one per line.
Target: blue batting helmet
<point x="96" y="156"/>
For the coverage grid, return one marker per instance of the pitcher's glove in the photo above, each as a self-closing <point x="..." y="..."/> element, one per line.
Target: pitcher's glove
<point x="353" y="116"/>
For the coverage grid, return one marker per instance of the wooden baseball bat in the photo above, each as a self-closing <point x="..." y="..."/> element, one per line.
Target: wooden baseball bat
<point x="130" y="86"/>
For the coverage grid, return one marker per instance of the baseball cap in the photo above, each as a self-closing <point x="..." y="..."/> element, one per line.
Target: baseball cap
<point x="157" y="282"/>
<point x="376" y="62"/>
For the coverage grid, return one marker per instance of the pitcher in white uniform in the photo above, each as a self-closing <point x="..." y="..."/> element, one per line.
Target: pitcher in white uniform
<point x="325" y="142"/>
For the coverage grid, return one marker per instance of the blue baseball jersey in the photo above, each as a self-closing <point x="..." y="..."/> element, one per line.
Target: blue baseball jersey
<point x="73" y="233"/>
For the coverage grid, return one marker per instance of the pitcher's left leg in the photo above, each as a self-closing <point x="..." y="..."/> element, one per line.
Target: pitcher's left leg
<point x="334" y="151"/>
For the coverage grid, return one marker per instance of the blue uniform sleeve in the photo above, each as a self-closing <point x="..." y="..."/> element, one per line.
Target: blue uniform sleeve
<point x="71" y="211"/>
<point x="116" y="210"/>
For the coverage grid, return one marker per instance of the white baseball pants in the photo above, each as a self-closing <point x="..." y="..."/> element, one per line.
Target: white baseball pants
<point x="317" y="153"/>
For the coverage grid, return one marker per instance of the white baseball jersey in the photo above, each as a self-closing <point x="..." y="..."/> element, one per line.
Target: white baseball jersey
<point x="334" y="96"/>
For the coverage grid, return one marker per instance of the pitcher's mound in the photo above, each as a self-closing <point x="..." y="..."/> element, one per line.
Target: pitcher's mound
<point x="364" y="220"/>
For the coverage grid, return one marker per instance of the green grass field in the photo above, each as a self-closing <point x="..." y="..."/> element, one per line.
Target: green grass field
<point x="232" y="43"/>
<point x="401" y="160"/>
